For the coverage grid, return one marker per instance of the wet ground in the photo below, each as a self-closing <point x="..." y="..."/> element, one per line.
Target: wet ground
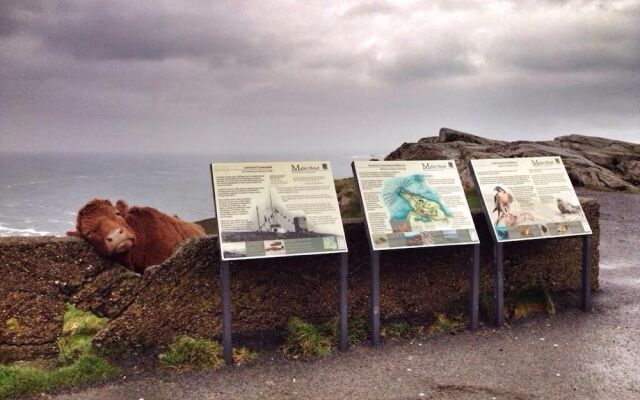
<point x="571" y="355"/>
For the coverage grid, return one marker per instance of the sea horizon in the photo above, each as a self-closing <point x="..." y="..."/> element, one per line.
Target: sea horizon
<point x="42" y="191"/>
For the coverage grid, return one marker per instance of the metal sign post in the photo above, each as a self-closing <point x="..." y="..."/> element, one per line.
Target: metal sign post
<point x="272" y="235"/>
<point x="374" y="281"/>
<point x="225" y="276"/>
<point x="498" y="262"/>
<point x="585" y="294"/>
<point x="227" y="348"/>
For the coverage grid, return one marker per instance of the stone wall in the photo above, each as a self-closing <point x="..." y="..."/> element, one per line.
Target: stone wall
<point x="181" y="296"/>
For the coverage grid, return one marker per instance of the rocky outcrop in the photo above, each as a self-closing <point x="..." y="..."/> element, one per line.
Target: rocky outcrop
<point x="590" y="161"/>
<point x="39" y="277"/>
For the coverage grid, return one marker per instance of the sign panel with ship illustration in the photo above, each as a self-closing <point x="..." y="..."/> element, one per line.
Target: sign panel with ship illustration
<point x="276" y="209"/>
<point x="414" y="204"/>
<point x="529" y="198"/>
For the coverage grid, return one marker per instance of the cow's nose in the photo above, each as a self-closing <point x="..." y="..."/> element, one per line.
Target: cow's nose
<point x="116" y="235"/>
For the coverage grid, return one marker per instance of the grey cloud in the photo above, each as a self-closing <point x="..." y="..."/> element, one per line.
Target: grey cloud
<point x="611" y="44"/>
<point x="84" y="75"/>
<point x="447" y="58"/>
<point x="93" y="31"/>
<point x="370" y="8"/>
<point x="9" y="10"/>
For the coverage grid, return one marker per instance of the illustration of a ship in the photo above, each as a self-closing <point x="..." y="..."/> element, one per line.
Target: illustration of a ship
<point x="274" y="222"/>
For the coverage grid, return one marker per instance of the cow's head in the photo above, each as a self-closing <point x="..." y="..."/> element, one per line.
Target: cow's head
<point x="103" y="225"/>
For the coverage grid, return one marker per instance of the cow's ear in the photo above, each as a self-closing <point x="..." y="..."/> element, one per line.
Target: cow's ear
<point x="122" y="206"/>
<point x="74" y="234"/>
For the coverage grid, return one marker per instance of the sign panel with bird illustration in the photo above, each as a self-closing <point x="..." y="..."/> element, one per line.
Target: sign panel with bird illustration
<point x="529" y="198"/>
<point x="414" y="203"/>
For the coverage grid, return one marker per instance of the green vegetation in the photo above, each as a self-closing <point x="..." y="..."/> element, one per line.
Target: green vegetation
<point x="357" y="332"/>
<point x="189" y="352"/>
<point x="528" y="301"/>
<point x="13" y="325"/>
<point x="521" y="304"/>
<point x="444" y="324"/>
<point x="78" y="329"/>
<point x="306" y="340"/>
<point x="401" y="329"/>
<point x="77" y="363"/>
<point x="243" y="355"/>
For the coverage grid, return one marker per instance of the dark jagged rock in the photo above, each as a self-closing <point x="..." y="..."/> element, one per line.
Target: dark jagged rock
<point x="590" y="161"/>
<point x="39" y="277"/>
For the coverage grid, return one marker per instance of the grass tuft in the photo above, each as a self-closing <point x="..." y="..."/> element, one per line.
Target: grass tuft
<point x="521" y="304"/>
<point x="13" y="326"/>
<point x="401" y="329"/>
<point x="357" y="331"/>
<point x="77" y="363"/>
<point x="444" y="324"/>
<point x="306" y="340"/>
<point x="528" y="301"/>
<point x="188" y="352"/>
<point x="244" y="356"/>
<point x="78" y="329"/>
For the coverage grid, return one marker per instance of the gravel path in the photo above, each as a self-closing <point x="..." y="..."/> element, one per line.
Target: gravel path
<point x="571" y="355"/>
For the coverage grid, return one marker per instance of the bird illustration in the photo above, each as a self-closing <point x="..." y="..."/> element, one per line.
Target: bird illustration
<point x="567" y="208"/>
<point x="502" y="201"/>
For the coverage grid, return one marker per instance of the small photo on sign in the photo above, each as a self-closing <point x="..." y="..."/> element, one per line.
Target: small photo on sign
<point x="330" y="243"/>
<point x="380" y="241"/>
<point x="419" y="239"/>
<point x="234" y="249"/>
<point x="274" y="247"/>
<point x="451" y="236"/>
<point x="400" y="225"/>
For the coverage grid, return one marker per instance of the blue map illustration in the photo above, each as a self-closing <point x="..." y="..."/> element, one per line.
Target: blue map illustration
<point x="411" y="198"/>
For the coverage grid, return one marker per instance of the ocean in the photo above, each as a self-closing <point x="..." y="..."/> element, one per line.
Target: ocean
<point x="40" y="194"/>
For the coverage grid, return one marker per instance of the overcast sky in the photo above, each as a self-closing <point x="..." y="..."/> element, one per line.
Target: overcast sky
<point x="297" y="77"/>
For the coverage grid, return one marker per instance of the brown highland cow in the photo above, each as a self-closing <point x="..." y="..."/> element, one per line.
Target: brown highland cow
<point x="136" y="237"/>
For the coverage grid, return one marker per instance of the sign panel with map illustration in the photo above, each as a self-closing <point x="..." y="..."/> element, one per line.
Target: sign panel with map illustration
<point x="529" y="198"/>
<point x="414" y="204"/>
<point x="276" y="209"/>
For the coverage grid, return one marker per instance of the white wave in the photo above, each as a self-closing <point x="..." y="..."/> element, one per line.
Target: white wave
<point x="6" y="231"/>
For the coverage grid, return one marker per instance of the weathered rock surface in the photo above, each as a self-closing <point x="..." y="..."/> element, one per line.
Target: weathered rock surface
<point x="39" y="276"/>
<point x="590" y="161"/>
<point x="181" y="296"/>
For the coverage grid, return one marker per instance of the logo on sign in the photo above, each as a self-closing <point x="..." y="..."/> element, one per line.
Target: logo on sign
<point x="304" y="168"/>
<point x="427" y="166"/>
<point x="542" y="163"/>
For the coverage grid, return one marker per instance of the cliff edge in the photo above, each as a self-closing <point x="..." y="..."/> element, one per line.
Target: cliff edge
<point x="592" y="162"/>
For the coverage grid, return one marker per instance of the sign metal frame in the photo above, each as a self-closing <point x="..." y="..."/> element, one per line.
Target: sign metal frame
<point x="374" y="281"/>
<point x="498" y="258"/>
<point x="225" y="277"/>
